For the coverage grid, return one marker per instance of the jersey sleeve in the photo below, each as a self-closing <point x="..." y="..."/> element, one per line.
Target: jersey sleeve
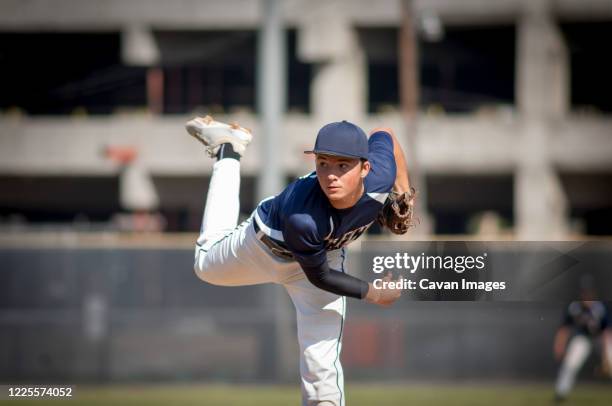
<point x="303" y="239"/>
<point x="382" y="163"/>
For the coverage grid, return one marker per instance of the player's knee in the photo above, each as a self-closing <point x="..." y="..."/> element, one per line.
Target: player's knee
<point x="199" y="271"/>
<point x="207" y="274"/>
<point x="204" y="274"/>
<point x="199" y="267"/>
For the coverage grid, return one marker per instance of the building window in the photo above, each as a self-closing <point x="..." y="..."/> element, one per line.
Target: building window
<point x="469" y="68"/>
<point x="67" y="73"/>
<point x="82" y="73"/>
<point x="470" y="204"/>
<point x="207" y="71"/>
<point x="590" y="201"/>
<point x="590" y="66"/>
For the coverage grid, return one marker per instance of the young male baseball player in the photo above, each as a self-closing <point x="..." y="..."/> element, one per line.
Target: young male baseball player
<point x="297" y="239"/>
<point x="585" y="325"/>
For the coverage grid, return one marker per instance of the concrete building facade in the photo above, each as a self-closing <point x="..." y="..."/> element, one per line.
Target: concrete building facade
<point x="533" y="142"/>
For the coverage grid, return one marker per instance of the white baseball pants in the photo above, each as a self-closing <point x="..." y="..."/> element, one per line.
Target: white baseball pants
<point x="578" y="349"/>
<point x="230" y="255"/>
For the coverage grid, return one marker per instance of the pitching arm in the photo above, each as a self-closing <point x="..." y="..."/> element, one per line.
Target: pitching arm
<point x="303" y="240"/>
<point x="402" y="180"/>
<point x="330" y="280"/>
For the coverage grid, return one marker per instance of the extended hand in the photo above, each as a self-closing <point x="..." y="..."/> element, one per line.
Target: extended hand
<point x="384" y="296"/>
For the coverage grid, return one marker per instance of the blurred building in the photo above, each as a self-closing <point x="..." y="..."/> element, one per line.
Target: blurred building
<point x="514" y="128"/>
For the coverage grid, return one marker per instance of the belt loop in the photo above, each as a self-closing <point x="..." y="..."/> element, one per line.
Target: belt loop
<point x="269" y="243"/>
<point x="258" y="232"/>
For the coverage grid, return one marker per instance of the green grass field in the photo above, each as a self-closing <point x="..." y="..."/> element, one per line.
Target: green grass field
<point x="357" y="395"/>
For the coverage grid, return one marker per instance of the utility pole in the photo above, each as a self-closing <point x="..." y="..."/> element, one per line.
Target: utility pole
<point x="271" y="100"/>
<point x="409" y="104"/>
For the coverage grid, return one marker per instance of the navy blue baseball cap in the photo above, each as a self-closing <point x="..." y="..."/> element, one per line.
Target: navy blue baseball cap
<point x="341" y="139"/>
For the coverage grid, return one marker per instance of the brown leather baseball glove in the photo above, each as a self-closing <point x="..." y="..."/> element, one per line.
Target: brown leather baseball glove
<point x="397" y="213"/>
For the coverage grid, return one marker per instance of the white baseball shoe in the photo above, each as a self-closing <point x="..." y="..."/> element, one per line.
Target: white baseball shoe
<point x="213" y="133"/>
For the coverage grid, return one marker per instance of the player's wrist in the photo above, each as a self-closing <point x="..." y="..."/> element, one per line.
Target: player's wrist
<point x="401" y="187"/>
<point x="373" y="295"/>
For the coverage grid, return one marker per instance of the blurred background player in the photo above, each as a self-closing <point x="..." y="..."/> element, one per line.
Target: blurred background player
<point x="585" y="327"/>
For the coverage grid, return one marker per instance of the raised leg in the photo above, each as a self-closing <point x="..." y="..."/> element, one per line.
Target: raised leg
<point x="222" y="203"/>
<point x="224" y="253"/>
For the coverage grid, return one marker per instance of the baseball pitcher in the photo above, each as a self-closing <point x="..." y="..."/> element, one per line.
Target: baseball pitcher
<point x="297" y="238"/>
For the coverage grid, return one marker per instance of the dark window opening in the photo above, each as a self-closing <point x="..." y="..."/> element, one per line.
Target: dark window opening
<point x="300" y="76"/>
<point x="380" y="47"/>
<point x="46" y="199"/>
<point x="182" y="200"/>
<point x="212" y="71"/>
<point x="459" y="204"/>
<point x="60" y="201"/>
<point x="590" y="202"/>
<point x="82" y="73"/>
<point x="590" y="65"/>
<point x="469" y="68"/>
<point x="215" y="71"/>
<point x="64" y="73"/>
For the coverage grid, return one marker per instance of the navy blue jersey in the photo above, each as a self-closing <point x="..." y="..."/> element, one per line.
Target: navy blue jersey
<point x="303" y="222"/>
<point x="587" y="320"/>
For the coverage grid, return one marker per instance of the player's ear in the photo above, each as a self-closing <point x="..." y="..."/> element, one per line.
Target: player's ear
<point x="365" y="168"/>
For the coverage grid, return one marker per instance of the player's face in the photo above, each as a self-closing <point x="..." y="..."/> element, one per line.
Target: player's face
<point x="341" y="179"/>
